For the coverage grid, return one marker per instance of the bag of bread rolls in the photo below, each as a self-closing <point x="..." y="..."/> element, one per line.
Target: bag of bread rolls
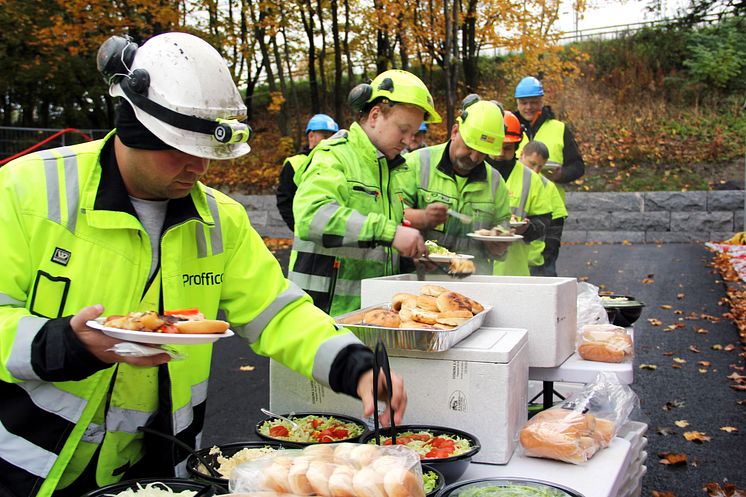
<point x="604" y="343"/>
<point x="333" y="470"/>
<point x="583" y="424"/>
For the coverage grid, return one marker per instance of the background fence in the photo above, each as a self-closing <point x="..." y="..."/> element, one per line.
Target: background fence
<point x="15" y="140"/>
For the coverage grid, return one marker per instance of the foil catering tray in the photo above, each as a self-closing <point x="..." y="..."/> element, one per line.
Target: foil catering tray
<point x="409" y="339"/>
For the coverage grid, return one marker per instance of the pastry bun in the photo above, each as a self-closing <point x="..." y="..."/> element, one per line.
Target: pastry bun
<point x="427" y="302"/>
<point x="399" y="298"/>
<point x="382" y="317"/>
<point x="207" y="326"/>
<point x="400" y="482"/>
<point x="452" y="301"/>
<point x="432" y="290"/>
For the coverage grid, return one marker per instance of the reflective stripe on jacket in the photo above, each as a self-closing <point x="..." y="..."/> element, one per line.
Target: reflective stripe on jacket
<point x="484" y="198"/>
<point x="552" y="134"/>
<point x="347" y="209"/>
<point x="527" y="198"/>
<point x="67" y="247"/>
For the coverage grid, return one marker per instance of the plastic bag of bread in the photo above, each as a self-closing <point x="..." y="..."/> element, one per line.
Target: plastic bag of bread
<point x="604" y="343"/>
<point x="334" y="470"/>
<point x="582" y="425"/>
<point x="590" y="306"/>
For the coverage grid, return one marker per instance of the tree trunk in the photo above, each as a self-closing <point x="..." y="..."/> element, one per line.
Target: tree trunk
<point x="306" y="15"/>
<point x="469" y="48"/>
<point x="337" y="64"/>
<point x="282" y="118"/>
<point x="447" y="65"/>
<point x="322" y="59"/>
<point x="348" y="55"/>
<point x="293" y="90"/>
<point x="382" y="40"/>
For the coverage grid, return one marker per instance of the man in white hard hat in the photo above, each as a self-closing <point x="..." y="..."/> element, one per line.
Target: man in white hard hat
<point x="123" y="224"/>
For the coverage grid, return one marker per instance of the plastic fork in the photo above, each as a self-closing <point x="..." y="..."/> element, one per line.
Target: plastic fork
<point x="293" y="425"/>
<point x="461" y="217"/>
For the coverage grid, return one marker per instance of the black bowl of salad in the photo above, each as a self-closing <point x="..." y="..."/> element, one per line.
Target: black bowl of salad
<point x="174" y="485"/>
<point x="224" y="458"/>
<point x="432" y="480"/>
<point x="314" y="428"/>
<point x="507" y="487"/>
<point x="626" y="309"/>
<point x="446" y="449"/>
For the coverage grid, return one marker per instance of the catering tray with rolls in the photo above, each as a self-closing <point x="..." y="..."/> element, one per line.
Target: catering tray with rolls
<point x="424" y="339"/>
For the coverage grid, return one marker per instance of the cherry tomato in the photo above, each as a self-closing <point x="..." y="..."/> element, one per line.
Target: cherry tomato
<point x="340" y="433"/>
<point x="278" y="431"/>
<point x="315" y="423"/>
<point x="438" y="454"/>
<point x="403" y="440"/>
<point x="440" y="442"/>
<point x="422" y="438"/>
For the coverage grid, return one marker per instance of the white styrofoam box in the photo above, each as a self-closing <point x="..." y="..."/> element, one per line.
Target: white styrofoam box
<point x="479" y="386"/>
<point x="633" y="432"/>
<point x="546" y="307"/>
<point x="632" y="487"/>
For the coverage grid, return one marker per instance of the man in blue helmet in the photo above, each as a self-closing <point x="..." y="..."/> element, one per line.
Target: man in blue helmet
<point x="319" y="127"/>
<point x="565" y="163"/>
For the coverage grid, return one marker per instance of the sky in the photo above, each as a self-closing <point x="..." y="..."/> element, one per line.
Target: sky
<point x="613" y="12"/>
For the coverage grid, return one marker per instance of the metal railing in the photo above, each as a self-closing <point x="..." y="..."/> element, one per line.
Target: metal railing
<point x="15" y="140"/>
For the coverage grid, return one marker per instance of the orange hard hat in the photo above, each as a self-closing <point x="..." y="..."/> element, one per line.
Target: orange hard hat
<point x="513" y="129"/>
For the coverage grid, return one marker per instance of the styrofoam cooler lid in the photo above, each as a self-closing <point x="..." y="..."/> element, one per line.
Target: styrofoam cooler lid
<point x="493" y="345"/>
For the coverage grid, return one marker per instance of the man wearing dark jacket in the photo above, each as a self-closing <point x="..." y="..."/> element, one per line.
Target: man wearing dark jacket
<point x="565" y="163"/>
<point x="319" y="127"/>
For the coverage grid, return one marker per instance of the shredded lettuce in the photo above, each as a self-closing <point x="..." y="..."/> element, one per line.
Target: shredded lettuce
<point x="429" y="480"/>
<point x="307" y="432"/>
<point x="512" y="490"/>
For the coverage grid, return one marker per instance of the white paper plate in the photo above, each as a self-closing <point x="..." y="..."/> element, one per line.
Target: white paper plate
<point x="515" y="224"/>
<point x="496" y="238"/>
<point x="551" y="167"/>
<point x="446" y="258"/>
<point x="159" y="338"/>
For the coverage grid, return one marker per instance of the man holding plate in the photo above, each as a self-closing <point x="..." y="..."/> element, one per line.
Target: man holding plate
<point x="123" y="224"/>
<point x="455" y="176"/>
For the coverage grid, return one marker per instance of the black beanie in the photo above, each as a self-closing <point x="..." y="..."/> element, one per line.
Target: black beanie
<point x="133" y="133"/>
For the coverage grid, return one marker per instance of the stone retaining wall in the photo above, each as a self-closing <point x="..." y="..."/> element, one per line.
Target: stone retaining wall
<point x="648" y="217"/>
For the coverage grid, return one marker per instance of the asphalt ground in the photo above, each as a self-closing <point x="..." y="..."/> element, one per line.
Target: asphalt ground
<point x="675" y="275"/>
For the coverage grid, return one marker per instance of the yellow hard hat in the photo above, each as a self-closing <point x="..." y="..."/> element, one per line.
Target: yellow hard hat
<point x="397" y="86"/>
<point x="481" y="126"/>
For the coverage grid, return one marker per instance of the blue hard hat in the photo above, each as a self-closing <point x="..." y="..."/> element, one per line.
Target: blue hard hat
<point x="529" y="87"/>
<point x="423" y="127"/>
<point x="322" y="122"/>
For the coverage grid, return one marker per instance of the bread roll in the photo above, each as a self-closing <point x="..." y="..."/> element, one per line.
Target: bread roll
<point x="297" y="479"/>
<point x="414" y="325"/>
<point x="405" y="314"/>
<point x="318" y="475"/>
<point x="600" y="352"/>
<point x="399" y="298"/>
<point x="604" y="343"/>
<point x="476" y="307"/>
<point x="368" y="482"/>
<point x="565" y="435"/>
<point x="342" y="452"/>
<point x="427" y="302"/>
<point x="423" y="316"/>
<point x="432" y="290"/>
<point x="382" y="317"/>
<point x="383" y="463"/>
<point x="276" y="475"/>
<point x="400" y="482"/>
<point x="206" y="326"/>
<point x="452" y="301"/>
<point x="363" y="454"/>
<point x="340" y="482"/>
<point x="320" y="452"/>
<point x="454" y="318"/>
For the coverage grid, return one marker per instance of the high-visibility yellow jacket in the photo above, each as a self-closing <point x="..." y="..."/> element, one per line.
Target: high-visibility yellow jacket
<point x="71" y="238"/>
<point x="430" y="178"/>
<point x="527" y="199"/>
<point x="347" y="208"/>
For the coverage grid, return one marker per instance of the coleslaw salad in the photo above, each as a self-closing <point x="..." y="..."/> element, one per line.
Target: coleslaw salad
<point x="313" y="429"/>
<point x="430" y="446"/>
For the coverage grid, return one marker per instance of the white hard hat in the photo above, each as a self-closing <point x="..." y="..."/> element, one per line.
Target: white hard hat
<point x="181" y="90"/>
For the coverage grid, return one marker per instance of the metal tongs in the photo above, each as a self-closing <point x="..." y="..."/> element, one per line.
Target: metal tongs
<point x="381" y="361"/>
<point x="446" y="271"/>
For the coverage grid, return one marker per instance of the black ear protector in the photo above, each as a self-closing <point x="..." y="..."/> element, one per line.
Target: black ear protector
<point x="114" y="59"/>
<point x="467" y="102"/>
<point x="360" y="95"/>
